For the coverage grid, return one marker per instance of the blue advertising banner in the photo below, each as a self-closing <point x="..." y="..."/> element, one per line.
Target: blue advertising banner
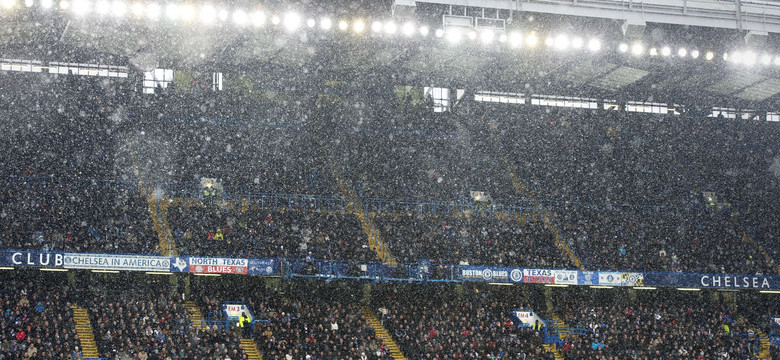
<point x="116" y="262"/>
<point x="31" y="258"/>
<point x="588" y="278"/>
<point x="263" y="267"/>
<point x="761" y="282"/>
<point x="491" y="273"/>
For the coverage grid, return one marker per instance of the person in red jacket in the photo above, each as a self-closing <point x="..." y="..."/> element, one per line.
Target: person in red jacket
<point x="20" y="335"/>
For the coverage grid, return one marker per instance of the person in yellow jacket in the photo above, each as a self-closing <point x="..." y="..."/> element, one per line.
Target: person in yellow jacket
<point x="218" y="235"/>
<point x="244" y="324"/>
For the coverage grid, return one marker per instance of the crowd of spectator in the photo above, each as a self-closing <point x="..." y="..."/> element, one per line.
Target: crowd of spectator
<point x="36" y="321"/>
<point x="431" y="322"/>
<point x="152" y="324"/>
<point x="479" y="239"/>
<point x="655" y="325"/>
<point x="308" y="320"/>
<point x="262" y="233"/>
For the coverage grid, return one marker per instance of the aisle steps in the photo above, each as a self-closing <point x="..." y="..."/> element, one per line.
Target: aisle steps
<point x="250" y="348"/>
<point x="86" y="335"/>
<point x="382" y="333"/>
<point x="552" y="348"/>
<point x="194" y="311"/>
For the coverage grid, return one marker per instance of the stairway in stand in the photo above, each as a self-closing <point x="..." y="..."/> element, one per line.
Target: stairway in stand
<point x="193" y="310"/>
<point x="763" y="352"/>
<point x="84" y="330"/>
<point x="552" y="348"/>
<point x="250" y="348"/>
<point x="381" y="332"/>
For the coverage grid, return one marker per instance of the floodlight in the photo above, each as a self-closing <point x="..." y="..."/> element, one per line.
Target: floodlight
<point x="439" y="32"/>
<point x="186" y="12"/>
<point x="594" y="45"/>
<point x="292" y="21"/>
<point x="549" y="41"/>
<point x="695" y="54"/>
<point x="81" y="7"/>
<point x="725" y="56"/>
<point x="390" y="27"/>
<point x="653" y="51"/>
<point x="766" y="59"/>
<point x="749" y="58"/>
<point x="276" y="20"/>
<point x="29" y="3"/>
<point x="239" y="17"/>
<point x="623" y="47"/>
<point x="358" y="26"/>
<point x="736" y="57"/>
<point x="257" y="18"/>
<point x="487" y="36"/>
<point x="408" y="29"/>
<point x="376" y="26"/>
<point x="515" y="38"/>
<point x="666" y="51"/>
<point x="453" y="35"/>
<point x="325" y="23"/>
<point x="709" y="55"/>
<point x="8" y="3"/>
<point x="424" y="30"/>
<point x="46" y="4"/>
<point x="207" y="14"/>
<point x="311" y="23"/>
<point x="101" y="7"/>
<point x="138" y="9"/>
<point x="576" y="43"/>
<point x="561" y="42"/>
<point x="532" y="40"/>
<point x="637" y="49"/>
<point x="172" y="11"/>
<point x="682" y="52"/>
<point x="153" y="11"/>
<point x="343" y="25"/>
<point x="777" y="60"/>
<point x="472" y="35"/>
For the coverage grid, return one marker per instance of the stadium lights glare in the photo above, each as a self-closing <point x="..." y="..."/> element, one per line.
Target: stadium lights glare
<point x="292" y="21"/>
<point x="408" y="29"/>
<point x="186" y="12"/>
<point x="46" y="4"/>
<point x="749" y="58"/>
<point x="424" y="30"/>
<point x="688" y="289"/>
<point x="769" y="291"/>
<point x="682" y="52"/>
<point x="239" y="17"/>
<point x="709" y="56"/>
<point x="64" y="4"/>
<point x="725" y="56"/>
<point x="561" y="42"/>
<point x="453" y="35"/>
<point x="736" y="57"/>
<point x="29" y="3"/>
<point x="376" y="26"/>
<point x="766" y="59"/>
<point x="158" y="273"/>
<point x="390" y="27"/>
<point x="601" y="287"/>
<point x="472" y="34"/>
<point x="653" y="51"/>
<point x="311" y="23"/>
<point x="486" y="36"/>
<point x="172" y="11"/>
<point x="532" y="40"/>
<point x="153" y="11"/>
<point x="666" y="51"/>
<point x="6" y="268"/>
<point x="576" y="43"/>
<point x="502" y="38"/>
<point x="637" y="49"/>
<point x="276" y="20"/>
<point x="359" y="26"/>
<point x="695" y="54"/>
<point x="138" y="9"/>
<point x="81" y="7"/>
<point x="222" y="15"/>
<point x="594" y="45"/>
<point x="644" y="288"/>
<point x="101" y="7"/>
<point x="439" y="32"/>
<point x="549" y="41"/>
<point x="343" y="25"/>
<point x="777" y="61"/>
<point x="53" y="269"/>
<point x="325" y="23"/>
<point x="207" y="14"/>
<point x="500" y="284"/>
<point x="8" y="4"/>
<point x="515" y="38"/>
<point x="106" y="271"/>
<point x="623" y="47"/>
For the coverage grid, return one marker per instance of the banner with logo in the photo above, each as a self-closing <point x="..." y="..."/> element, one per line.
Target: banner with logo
<point x="206" y="265"/>
<point x="588" y="278"/>
<point x="539" y="276"/>
<point x="728" y="281"/>
<point x="263" y="267"/>
<point x="31" y="258"/>
<point x="565" y="277"/>
<point x="116" y="262"/>
<point x="527" y="317"/>
<point x="613" y="278"/>
<point x="491" y="274"/>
